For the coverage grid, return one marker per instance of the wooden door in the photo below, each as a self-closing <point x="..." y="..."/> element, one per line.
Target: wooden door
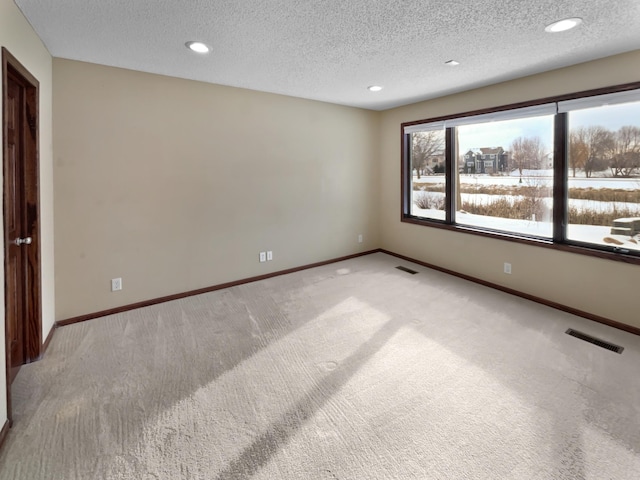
<point x="23" y="291"/>
<point x="15" y="225"/>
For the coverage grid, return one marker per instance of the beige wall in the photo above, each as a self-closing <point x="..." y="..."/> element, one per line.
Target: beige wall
<point x="601" y="287"/>
<point x="19" y="38"/>
<point x="175" y="185"/>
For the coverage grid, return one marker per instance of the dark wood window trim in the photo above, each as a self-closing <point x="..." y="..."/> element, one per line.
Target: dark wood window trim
<point x="560" y="191"/>
<point x="560" y="172"/>
<point x="450" y="168"/>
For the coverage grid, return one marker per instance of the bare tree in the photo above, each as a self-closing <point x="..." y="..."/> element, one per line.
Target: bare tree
<point x="626" y="151"/>
<point x="425" y="145"/>
<point x="596" y="145"/>
<point x="527" y="153"/>
<point x="536" y="190"/>
<point x="578" y="151"/>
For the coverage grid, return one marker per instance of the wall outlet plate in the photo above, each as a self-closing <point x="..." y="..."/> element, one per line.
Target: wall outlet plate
<point x="507" y="268"/>
<point x="269" y="256"/>
<point x="263" y="257"/>
<point x="116" y="284"/>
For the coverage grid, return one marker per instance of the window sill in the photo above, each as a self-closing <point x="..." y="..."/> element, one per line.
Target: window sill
<point x="533" y="241"/>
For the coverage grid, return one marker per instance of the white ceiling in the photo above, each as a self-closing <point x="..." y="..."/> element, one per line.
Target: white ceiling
<point x="331" y="50"/>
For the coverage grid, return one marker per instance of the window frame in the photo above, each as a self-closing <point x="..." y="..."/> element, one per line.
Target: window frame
<point x="559" y="240"/>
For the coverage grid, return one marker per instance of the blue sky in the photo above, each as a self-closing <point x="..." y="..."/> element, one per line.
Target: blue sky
<point x="612" y="117"/>
<point x="502" y="134"/>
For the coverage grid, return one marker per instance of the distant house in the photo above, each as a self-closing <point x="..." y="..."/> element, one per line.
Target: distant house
<point x="486" y="160"/>
<point x="433" y="164"/>
<point x="436" y="162"/>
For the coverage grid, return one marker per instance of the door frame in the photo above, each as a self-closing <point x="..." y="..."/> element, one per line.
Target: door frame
<point x="33" y="318"/>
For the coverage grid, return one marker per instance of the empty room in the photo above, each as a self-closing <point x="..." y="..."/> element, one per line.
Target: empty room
<point x="320" y="240"/>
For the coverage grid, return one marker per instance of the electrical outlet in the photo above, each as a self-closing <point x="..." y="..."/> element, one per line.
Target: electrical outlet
<point x="360" y="238"/>
<point x="507" y="268"/>
<point x="116" y="284"/>
<point x="263" y="257"/>
<point x="269" y="255"/>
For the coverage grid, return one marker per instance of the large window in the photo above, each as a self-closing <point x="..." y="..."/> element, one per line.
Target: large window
<point x="604" y="171"/>
<point x="505" y="175"/>
<point x="565" y="172"/>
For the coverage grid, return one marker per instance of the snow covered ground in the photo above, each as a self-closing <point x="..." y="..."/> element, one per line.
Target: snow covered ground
<point x="536" y="176"/>
<point x="485" y="199"/>
<point x="597" y="235"/>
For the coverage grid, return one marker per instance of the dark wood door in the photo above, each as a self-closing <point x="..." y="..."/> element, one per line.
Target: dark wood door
<point x="21" y="207"/>
<point x="16" y="236"/>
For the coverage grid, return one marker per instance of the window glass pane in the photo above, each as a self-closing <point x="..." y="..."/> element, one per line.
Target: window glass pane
<point x="505" y="175"/>
<point x="428" y="174"/>
<point x="604" y="176"/>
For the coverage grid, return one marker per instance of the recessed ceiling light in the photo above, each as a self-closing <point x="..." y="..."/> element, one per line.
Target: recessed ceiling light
<point x="452" y="63"/>
<point x="563" y="25"/>
<point x="374" y="88"/>
<point x="198" y="47"/>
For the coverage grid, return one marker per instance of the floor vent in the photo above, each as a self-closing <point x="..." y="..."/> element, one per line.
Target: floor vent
<point x="595" y="341"/>
<point x="408" y="270"/>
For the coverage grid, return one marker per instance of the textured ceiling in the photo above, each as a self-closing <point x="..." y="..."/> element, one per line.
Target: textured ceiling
<point x="331" y="50"/>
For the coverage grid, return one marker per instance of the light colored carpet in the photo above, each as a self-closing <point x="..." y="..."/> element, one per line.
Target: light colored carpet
<point x="353" y="370"/>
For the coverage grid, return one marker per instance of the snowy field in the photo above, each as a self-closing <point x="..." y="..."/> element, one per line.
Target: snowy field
<point x="599" y="235"/>
<point x="581" y="205"/>
<point x="534" y="177"/>
<point x="596" y="235"/>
